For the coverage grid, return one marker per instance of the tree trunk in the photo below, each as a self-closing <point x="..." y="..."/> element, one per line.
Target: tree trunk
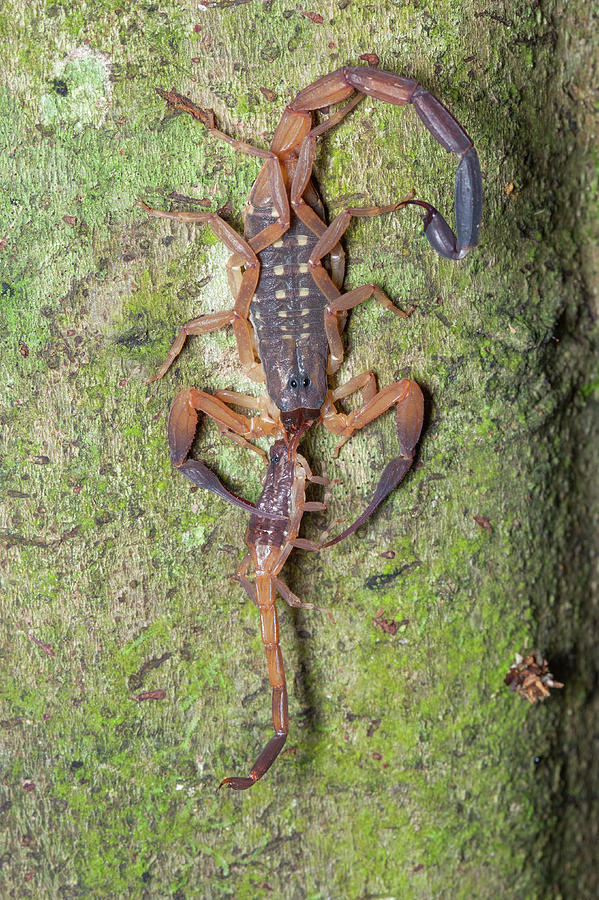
<point x="411" y="770"/>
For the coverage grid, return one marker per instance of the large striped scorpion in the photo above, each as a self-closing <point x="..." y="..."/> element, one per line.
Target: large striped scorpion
<point x="286" y="276"/>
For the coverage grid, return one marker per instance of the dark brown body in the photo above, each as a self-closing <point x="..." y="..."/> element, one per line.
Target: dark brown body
<point x="287" y="313"/>
<point x="286" y="276"/>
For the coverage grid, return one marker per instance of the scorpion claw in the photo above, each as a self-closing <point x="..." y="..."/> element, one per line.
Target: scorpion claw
<point x="200" y="474"/>
<point x="182" y="424"/>
<point x="410" y="414"/>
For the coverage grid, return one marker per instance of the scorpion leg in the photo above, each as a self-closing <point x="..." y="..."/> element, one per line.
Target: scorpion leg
<point x="201" y="325"/>
<point x="346" y="302"/>
<point x="271" y="171"/>
<point x="341" y="303"/>
<point x="248" y="587"/>
<point x="246" y="401"/>
<point x="294" y="601"/>
<point x="366" y="383"/>
<point x="182" y="426"/>
<point x="337" y="254"/>
<point x="238" y="316"/>
<point x="181" y="103"/>
<point x="300" y="185"/>
<point x="241" y="576"/>
<point x="244" y="254"/>
<point x="303" y="171"/>
<point x="269" y="626"/>
<point x="290" y="598"/>
<point x="442" y="125"/>
<point x="407" y="396"/>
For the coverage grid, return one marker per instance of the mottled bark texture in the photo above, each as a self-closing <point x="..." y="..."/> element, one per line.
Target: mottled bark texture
<point x="411" y="771"/>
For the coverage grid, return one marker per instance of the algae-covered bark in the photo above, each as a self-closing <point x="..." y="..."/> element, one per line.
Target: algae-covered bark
<point x="411" y="771"/>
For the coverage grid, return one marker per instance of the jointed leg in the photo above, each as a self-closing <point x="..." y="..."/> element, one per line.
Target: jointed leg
<point x="246" y="401"/>
<point x="206" y="117"/>
<point x="288" y="138"/>
<point x="303" y="171"/>
<point x="366" y="383"/>
<point x="342" y="303"/>
<point x="247" y="285"/>
<point x="200" y="325"/>
<point x="295" y="135"/>
<point x="244" y="254"/>
<point x="271" y="172"/>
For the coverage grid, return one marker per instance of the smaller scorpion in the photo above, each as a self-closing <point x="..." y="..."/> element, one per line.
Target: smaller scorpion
<point x="274" y="528"/>
<point x="269" y="544"/>
<point x="271" y="535"/>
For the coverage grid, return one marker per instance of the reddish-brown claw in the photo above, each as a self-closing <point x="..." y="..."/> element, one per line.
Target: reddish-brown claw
<point x="182" y="426"/>
<point x="410" y="414"/>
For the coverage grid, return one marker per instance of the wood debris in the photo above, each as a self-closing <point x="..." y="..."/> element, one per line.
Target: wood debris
<point x="530" y="677"/>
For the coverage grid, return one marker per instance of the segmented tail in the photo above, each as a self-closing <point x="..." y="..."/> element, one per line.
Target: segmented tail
<point x="269" y="626"/>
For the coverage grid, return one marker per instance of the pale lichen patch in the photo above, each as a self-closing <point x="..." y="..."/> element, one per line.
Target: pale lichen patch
<point x="81" y="91"/>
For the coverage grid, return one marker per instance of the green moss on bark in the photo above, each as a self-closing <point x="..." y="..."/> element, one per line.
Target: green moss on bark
<point x="411" y="771"/>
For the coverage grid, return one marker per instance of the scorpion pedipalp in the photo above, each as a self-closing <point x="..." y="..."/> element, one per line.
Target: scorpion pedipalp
<point x="408" y="398"/>
<point x="182" y="426"/>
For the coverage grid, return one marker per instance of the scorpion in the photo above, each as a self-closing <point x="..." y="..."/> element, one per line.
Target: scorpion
<point x="286" y="277"/>
<point x="271" y="535"/>
<point x="289" y="310"/>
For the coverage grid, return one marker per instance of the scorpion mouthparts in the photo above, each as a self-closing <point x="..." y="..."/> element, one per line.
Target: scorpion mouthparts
<point x="296" y="422"/>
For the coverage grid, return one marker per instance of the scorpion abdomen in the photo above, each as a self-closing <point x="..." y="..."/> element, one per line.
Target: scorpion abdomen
<point x="287" y="314"/>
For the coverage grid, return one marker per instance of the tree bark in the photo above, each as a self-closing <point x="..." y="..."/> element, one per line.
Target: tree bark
<point x="411" y="770"/>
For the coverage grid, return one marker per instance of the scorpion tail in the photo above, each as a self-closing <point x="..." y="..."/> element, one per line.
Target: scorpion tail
<point x="390" y="88"/>
<point x="269" y="625"/>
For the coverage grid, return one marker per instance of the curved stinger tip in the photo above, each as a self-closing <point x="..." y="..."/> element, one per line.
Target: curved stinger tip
<point x="236" y="783"/>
